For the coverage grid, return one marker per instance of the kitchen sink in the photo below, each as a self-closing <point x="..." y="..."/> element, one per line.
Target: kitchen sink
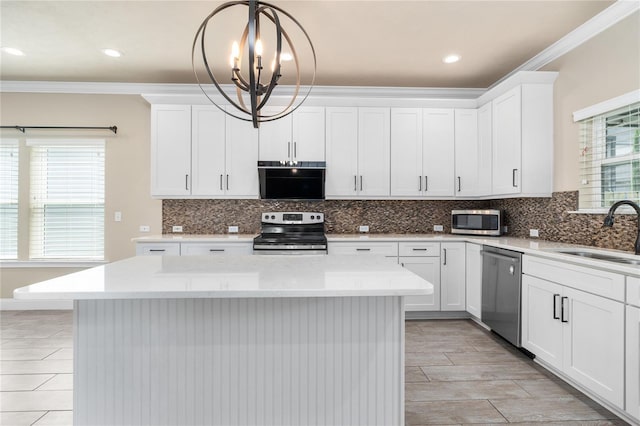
<point x="601" y="256"/>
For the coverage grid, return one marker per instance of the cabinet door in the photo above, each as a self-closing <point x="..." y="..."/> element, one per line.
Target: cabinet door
<point x="406" y="152"/>
<point x="541" y="326"/>
<point x="342" y="152"/>
<point x="374" y="145"/>
<point x="438" y="154"/>
<point x="473" y="272"/>
<point x="275" y="137"/>
<point x="633" y="361"/>
<point x="308" y="134"/>
<point x="157" y="249"/>
<point x="207" y="150"/>
<point x="241" y="159"/>
<point x="429" y="269"/>
<point x="389" y="249"/>
<point x="484" y="157"/>
<point x="170" y="150"/>
<point x="507" y="141"/>
<point x="466" y="152"/>
<point x="452" y="278"/>
<point x="594" y="344"/>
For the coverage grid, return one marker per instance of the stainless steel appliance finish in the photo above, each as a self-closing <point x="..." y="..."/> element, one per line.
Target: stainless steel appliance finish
<point x="291" y="233"/>
<point x="501" y="292"/>
<point x="477" y="222"/>
<point x="291" y="180"/>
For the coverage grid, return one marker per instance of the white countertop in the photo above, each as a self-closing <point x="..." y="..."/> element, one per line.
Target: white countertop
<point x="191" y="238"/>
<point x="159" y="277"/>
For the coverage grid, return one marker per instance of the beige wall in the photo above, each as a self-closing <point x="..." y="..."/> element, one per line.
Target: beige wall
<point x="604" y="67"/>
<point x="127" y="167"/>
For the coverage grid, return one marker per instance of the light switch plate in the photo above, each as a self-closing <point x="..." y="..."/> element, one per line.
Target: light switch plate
<point x="233" y="229"/>
<point x="117" y="216"/>
<point x="438" y="228"/>
<point x="363" y="228"/>
<point x="145" y="228"/>
<point x="176" y="229"/>
<point x="534" y="233"/>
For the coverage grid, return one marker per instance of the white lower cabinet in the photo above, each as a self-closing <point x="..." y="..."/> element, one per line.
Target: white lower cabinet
<point x="633" y="362"/>
<point x="389" y="249"/>
<point x="212" y="249"/>
<point x="423" y="259"/>
<point x="452" y="277"/>
<point x="157" y="249"/>
<point x="473" y="279"/>
<point x="578" y="333"/>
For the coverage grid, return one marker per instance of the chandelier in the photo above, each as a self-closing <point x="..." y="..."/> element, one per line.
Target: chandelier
<point x="246" y="74"/>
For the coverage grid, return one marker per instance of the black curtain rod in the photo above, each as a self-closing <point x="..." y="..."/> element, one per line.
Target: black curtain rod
<point x="114" y="129"/>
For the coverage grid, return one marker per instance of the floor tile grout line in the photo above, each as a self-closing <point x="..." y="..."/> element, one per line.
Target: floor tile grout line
<point x="500" y="412"/>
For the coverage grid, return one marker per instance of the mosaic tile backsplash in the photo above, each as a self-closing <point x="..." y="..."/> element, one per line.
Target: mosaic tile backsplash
<point x="549" y="215"/>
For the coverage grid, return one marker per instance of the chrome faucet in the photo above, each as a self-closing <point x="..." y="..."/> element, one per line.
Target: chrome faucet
<point x="608" y="221"/>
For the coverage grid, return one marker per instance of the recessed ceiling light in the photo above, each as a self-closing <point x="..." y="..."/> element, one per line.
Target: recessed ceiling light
<point x="450" y="59"/>
<point x="112" y="52"/>
<point x="285" y="56"/>
<point x="13" y="51"/>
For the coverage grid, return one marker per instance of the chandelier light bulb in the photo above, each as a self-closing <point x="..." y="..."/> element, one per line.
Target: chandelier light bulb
<point x="259" y="47"/>
<point x="450" y="59"/>
<point x="235" y="50"/>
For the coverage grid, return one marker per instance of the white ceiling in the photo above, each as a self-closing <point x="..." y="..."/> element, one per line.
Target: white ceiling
<point x="358" y="43"/>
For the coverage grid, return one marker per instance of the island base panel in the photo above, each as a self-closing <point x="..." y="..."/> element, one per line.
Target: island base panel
<point x="253" y="361"/>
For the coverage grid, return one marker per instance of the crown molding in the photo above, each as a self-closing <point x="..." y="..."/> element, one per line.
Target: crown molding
<point x="608" y="105"/>
<point x="599" y="23"/>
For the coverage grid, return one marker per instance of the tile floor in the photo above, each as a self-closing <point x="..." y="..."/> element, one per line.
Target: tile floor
<point x="456" y="373"/>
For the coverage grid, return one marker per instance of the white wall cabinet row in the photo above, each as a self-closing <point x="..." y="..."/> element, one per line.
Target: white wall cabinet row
<point x="502" y="149"/>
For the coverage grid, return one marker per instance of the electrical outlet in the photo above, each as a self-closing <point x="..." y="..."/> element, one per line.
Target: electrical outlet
<point x="363" y="228"/>
<point x="438" y="228"/>
<point x="233" y="229"/>
<point x="176" y="229"/>
<point x="145" y="228"/>
<point x="534" y="233"/>
<point x="117" y="216"/>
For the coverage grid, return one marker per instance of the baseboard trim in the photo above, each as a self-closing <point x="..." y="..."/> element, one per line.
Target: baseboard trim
<point x="34" y="305"/>
<point x="423" y="315"/>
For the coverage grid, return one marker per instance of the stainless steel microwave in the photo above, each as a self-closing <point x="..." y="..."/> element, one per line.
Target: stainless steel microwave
<point x="302" y="180"/>
<point x="477" y="222"/>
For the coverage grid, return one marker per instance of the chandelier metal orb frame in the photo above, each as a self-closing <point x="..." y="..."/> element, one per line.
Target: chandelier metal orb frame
<point x="257" y="89"/>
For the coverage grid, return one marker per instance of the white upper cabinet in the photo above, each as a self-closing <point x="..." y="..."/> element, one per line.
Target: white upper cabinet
<point x="201" y="152"/>
<point x="522" y="135"/>
<point x="170" y="150"/>
<point x="358" y="144"/>
<point x="438" y="152"/>
<point x="507" y="143"/>
<point x="467" y="154"/>
<point x="297" y="137"/>
<point x="422" y="152"/>
<point x="407" y="177"/>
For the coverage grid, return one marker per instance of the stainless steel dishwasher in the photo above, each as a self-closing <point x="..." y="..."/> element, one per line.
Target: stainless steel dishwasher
<point x="501" y="291"/>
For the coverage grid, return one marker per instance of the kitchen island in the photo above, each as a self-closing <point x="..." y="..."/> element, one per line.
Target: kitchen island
<point x="232" y="340"/>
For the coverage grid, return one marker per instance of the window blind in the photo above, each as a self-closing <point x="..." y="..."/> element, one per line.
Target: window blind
<point x="8" y="199"/>
<point x="67" y="199"/>
<point x="610" y="158"/>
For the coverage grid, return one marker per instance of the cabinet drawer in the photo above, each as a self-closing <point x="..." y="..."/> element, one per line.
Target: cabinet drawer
<point x="633" y="291"/>
<point x="203" y="249"/>
<point x="419" y="249"/>
<point x="602" y="283"/>
<point x="158" y="249"/>
<point x="379" y="248"/>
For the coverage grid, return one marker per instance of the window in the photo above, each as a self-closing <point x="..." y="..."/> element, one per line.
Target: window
<point x="66" y="199"/>
<point x="610" y="158"/>
<point x="9" y="199"/>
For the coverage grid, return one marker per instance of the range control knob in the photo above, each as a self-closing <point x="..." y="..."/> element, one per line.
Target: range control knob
<point x="266" y="216"/>
<point x="312" y="217"/>
<point x="273" y="216"/>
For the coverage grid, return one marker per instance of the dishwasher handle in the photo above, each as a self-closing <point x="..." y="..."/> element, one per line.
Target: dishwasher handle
<point x="500" y="256"/>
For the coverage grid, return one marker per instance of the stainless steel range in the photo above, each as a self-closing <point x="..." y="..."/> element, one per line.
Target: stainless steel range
<point x="291" y="233"/>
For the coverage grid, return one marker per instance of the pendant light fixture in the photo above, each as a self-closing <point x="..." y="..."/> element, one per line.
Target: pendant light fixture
<point x="252" y="83"/>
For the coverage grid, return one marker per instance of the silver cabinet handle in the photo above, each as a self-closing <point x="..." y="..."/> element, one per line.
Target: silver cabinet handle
<point x="419" y="183"/>
<point x="288" y="149"/>
<point x="513" y="177"/>
<point x="157" y="250"/>
<point x="295" y="150"/>
<point x="444" y="261"/>
<point x="227" y="182"/>
<point x="419" y="249"/>
<point x="426" y="184"/>
<point x="459" y="184"/>
<point x="216" y="250"/>
<point x="562" y="309"/>
<point x="360" y="182"/>
<point x="363" y="249"/>
<point x="221" y="183"/>
<point x="555" y="306"/>
<point x="355" y="182"/>
<point x="186" y="182"/>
